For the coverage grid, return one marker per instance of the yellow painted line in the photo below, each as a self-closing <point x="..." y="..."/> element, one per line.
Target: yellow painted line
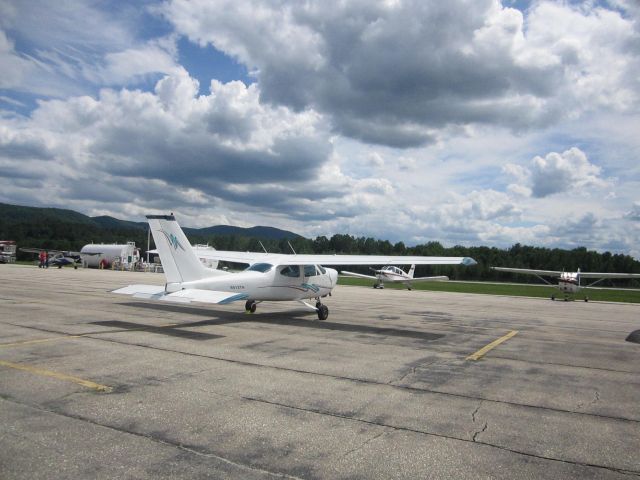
<point x="58" y="375"/>
<point x="480" y="353"/>
<point x="41" y="340"/>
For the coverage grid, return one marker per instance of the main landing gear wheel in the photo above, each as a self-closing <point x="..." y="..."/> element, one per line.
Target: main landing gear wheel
<point x="323" y="312"/>
<point x="250" y="306"/>
<point x="553" y="297"/>
<point x="586" y="299"/>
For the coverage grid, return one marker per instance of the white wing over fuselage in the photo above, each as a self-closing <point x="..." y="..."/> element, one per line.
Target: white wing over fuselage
<point x="568" y="282"/>
<point x="394" y="275"/>
<point x="269" y="276"/>
<point x="336" y="259"/>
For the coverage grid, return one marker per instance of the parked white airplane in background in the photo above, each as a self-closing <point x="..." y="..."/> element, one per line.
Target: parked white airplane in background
<point x="278" y="277"/>
<point x="393" y="275"/>
<point x="568" y="282"/>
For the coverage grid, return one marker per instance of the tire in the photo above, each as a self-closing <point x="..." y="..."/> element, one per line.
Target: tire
<point x="323" y="312"/>
<point x="250" y="306"/>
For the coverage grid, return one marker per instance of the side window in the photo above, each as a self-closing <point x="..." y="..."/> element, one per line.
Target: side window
<point x="290" y="271"/>
<point x="309" y="270"/>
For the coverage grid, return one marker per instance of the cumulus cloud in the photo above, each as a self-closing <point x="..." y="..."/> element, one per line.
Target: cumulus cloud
<point x="395" y="73"/>
<point x="634" y="213"/>
<point x="75" y="47"/>
<point x="173" y="147"/>
<point x="556" y="173"/>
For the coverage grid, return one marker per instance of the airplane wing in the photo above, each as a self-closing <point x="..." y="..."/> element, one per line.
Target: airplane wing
<point x="307" y="259"/>
<point x="609" y="275"/>
<point x="38" y="250"/>
<point x="357" y="275"/>
<point x="441" y="278"/>
<point x="188" y="295"/>
<point x="64" y="253"/>
<point x="549" y="273"/>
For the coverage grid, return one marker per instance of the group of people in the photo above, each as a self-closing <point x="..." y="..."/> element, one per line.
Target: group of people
<point x="44" y="259"/>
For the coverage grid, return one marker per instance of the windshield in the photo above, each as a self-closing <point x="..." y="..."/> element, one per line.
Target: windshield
<point x="260" y="267"/>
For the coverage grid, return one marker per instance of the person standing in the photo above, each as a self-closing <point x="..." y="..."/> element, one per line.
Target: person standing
<point x="41" y="258"/>
<point x="46" y="259"/>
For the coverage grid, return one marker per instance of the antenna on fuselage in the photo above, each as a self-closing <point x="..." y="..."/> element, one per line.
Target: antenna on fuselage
<point x="289" y="243"/>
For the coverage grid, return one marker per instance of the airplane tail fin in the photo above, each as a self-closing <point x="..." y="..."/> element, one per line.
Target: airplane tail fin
<point x="179" y="262"/>
<point x="412" y="271"/>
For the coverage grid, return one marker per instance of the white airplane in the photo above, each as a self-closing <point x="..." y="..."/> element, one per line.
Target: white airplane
<point x="568" y="282"/>
<point x="393" y="275"/>
<point x="277" y="277"/>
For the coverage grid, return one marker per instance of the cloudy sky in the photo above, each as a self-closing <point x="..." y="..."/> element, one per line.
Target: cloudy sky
<point x="473" y="122"/>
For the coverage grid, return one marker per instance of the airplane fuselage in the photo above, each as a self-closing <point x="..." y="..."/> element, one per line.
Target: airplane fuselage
<point x="569" y="282"/>
<point x="286" y="282"/>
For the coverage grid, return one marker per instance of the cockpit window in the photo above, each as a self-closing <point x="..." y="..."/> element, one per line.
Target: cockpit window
<point x="310" y="271"/>
<point x="259" y="267"/>
<point x="321" y="269"/>
<point x="290" y="271"/>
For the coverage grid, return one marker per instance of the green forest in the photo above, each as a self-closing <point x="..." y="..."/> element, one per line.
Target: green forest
<point x="68" y="230"/>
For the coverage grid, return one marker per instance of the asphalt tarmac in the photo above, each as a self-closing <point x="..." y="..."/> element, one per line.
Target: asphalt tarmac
<point x="97" y="385"/>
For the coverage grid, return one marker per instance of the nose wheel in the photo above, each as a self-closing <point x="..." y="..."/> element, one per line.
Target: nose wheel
<point x="323" y="311"/>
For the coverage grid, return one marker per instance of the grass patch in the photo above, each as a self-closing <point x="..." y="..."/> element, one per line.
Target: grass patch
<point x="516" y="290"/>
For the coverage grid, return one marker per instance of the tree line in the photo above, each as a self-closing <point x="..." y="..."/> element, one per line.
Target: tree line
<point x="66" y="234"/>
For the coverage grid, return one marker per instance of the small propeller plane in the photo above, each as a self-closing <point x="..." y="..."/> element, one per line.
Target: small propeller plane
<point x="269" y="277"/>
<point x="393" y="275"/>
<point x="568" y="282"/>
<point x="59" y="258"/>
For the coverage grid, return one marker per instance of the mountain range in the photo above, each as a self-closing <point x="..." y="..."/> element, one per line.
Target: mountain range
<point x="21" y="215"/>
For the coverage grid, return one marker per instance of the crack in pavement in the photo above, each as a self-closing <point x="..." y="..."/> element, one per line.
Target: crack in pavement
<point x="360" y="447"/>
<point x="341" y="377"/>
<point x="365" y="381"/>
<point x="484" y="427"/>
<point x="474" y="440"/>
<point x="156" y="439"/>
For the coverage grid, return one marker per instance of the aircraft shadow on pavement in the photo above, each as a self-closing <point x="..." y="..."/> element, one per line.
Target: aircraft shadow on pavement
<point x="172" y="331"/>
<point x="302" y="319"/>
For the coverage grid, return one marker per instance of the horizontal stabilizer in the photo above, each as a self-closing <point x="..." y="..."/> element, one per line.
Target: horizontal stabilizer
<point x="187" y="295"/>
<point x="140" y="290"/>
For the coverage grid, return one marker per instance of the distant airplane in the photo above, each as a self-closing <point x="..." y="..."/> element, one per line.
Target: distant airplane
<point x="568" y="282"/>
<point x="60" y="258"/>
<point x="269" y="277"/>
<point x="393" y="275"/>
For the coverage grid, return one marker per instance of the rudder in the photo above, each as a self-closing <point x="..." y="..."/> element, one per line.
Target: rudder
<point x="179" y="262"/>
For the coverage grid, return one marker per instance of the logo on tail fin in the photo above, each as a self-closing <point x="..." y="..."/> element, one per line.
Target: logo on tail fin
<point x="173" y="241"/>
